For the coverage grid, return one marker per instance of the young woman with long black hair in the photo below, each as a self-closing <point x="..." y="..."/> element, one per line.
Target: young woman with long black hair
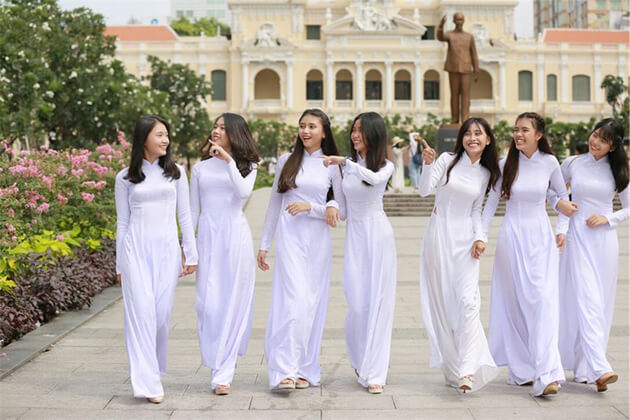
<point x="449" y="261"/>
<point x="524" y="300"/>
<point x="219" y="187"/>
<point x="369" y="264"/>
<point x="151" y="196"/>
<point x="301" y="278"/>
<point x="588" y="264"/>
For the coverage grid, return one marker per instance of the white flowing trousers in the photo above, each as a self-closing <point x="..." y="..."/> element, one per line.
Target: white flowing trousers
<point x="299" y="299"/>
<point x="450" y="300"/>
<point x="224" y="292"/>
<point x="369" y="283"/>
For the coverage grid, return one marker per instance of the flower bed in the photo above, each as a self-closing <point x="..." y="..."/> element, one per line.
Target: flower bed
<point x="57" y="225"/>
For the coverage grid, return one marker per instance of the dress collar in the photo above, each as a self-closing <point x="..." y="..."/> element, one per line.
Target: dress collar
<point x="534" y="156"/>
<point x="316" y="153"/>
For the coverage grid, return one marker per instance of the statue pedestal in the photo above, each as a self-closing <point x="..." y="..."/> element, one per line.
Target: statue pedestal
<point x="447" y="137"/>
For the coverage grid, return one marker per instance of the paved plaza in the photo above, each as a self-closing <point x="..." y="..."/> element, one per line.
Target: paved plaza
<point x="85" y="374"/>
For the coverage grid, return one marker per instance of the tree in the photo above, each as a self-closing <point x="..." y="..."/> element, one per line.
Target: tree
<point x="185" y="95"/>
<point x="272" y="137"/>
<point x="615" y="88"/>
<point x="208" y="26"/>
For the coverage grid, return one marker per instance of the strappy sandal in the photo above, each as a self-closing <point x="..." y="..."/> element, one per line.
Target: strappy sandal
<point x="287" y="384"/>
<point x="156" y="400"/>
<point x="375" y="389"/>
<point x="222" y="390"/>
<point x="301" y="383"/>
<point x="604" y="380"/>
<point x="466" y="383"/>
<point x="551" y="389"/>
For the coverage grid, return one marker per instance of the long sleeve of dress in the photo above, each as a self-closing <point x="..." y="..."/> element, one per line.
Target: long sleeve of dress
<point x="243" y="186"/>
<point x="122" y="215"/>
<point x="490" y="208"/>
<point x="369" y="176"/>
<point x="318" y="211"/>
<point x="185" y="219"/>
<point x="560" y="188"/>
<point x="476" y="216"/>
<point x="553" y="197"/>
<point x="273" y="210"/>
<point x="340" y="198"/>
<point x="620" y="215"/>
<point x="431" y="175"/>
<point x="195" y="199"/>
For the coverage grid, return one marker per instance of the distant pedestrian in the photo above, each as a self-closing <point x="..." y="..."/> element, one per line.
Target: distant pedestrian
<point x="398" y="150"/>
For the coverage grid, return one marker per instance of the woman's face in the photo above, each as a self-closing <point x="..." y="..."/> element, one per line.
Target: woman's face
<point x="311" y="132"/>
<point x="219" y="135"/>
<point x="597" y="145"/>
<point x="474" y="141"/>
<point x="358" y="141"/>
<point x="526" y="137"/>
<point x="156" y="143"/>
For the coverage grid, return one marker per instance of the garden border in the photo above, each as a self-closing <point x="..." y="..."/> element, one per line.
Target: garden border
<point x="22" y="351"/>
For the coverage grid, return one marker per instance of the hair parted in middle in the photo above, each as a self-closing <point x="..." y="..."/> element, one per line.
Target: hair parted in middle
<point x="374" y="134"/>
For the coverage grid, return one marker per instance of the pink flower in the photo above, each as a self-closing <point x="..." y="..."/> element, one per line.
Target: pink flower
<point x="61" y="238"/>
<point x="48" y="180"/>
<point x="105" y="149"/>
<point x="10" y="228"/>
<point x="77" y="172"/>
<point x="14" y="238"/>
<point x="62" y="199"/>
<point x="43" y="207"/>
<point x="34" y="221"/>
<point x="87" y="197"/>
<point x="62" y="170"/>
<point x="11" y="212"/>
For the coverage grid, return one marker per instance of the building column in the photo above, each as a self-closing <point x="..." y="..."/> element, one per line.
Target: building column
<point x="289" y="63"/>
<point x="540" y="82"/>
<point x="418" y="86"/>
<point x="597" y="75"/>
<point x="389" y="85"/>
<point x="330" y="83"/>
<point x="621" y="63"/>
<point x="502" y="84"/>
<point x="244" y="83"/>
<point x="358" y="89"/>
<point x="564" y="78"/>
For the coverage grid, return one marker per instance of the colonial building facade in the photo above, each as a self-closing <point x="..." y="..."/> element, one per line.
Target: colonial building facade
<point x="349" y="56"/>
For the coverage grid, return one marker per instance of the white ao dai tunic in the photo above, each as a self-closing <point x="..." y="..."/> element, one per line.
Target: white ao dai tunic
<point x="524" y="300"/>
<point x="449" y="275"/>
<point x="148" y="258"/>
<point x="227" y="269"/>
<point x="301" y="277"/>
<point x="588" y="267"/>
<point x="369" y="271"/>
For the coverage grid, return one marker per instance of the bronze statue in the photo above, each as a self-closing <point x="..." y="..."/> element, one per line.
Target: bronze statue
<point x="461" y="63"/>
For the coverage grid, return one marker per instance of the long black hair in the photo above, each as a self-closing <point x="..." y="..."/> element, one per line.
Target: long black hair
<point x="510" y="170"/>
<point x="611" y="131"/>
<point x="242" y="144"/>
<point x="374" y="133"/>
<point x="140" y="134"/>
<point x="489" y="157"/>
<point x="292" y="166"/>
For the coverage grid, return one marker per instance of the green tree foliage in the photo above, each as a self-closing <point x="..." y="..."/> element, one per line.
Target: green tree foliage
<point x="208" y="26"/>
<point x="272" y="137"/>
<point x="615" y="88"/>
<point x="185" y="95"/>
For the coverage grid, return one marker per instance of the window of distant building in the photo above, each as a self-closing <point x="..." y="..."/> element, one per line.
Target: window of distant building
<point x="217" y="78"/>
<point x="581" y="88"/>
<point x="431" y="85"/>
<point x="314" y="86"/>
<point x="430" y="33"/>
<point x="373" y="86"/>
<point x="525" y="88"/>
<point x="343" y="85"/>
<point x="402" y="85"/>
<point x="552" y="87"/>
<point x="313" y="32"/>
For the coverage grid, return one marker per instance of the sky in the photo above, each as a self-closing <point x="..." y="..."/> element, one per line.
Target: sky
<point x="119" y="12"/>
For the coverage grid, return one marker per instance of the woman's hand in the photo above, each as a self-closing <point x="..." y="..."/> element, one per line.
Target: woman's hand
<point x="560" y="240"/>
<point x="118" y="279"/>
<point x="188" y="269"/>
<point x="332" y="216"/>
<point x="219" y="152"/>
<point x="333" y="160"/>
<point x="567" y="207"/>
<point x="298" y="207"/>
<point x="428" y="154"/>
<point x="478" y="248"/>
<point x="596" y="220"/>
<point x="260" y="259"/>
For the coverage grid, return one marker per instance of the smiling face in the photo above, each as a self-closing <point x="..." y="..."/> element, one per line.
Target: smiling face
<point x="219" y="135"/>
<point x="475" y="140"/>
<point x="597" y="145"/>
<point x="156" y="143"/>
<point x="526" y="137"/>
<point x="311" y="132"/>
<point x="358" y="141"/>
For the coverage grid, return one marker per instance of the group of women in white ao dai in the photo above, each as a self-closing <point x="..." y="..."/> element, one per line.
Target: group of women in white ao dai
<point x="302" y="272"/>
<point x="369" y="270"/>
<point x="523" y="330"/>
<point x="449" y="274"/>
<point x="588" y="267"/>
<point x="227" y="269"/>
<point x="148" y="258"/>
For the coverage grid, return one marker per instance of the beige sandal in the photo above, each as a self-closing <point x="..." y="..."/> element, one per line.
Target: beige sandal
<point x="222" y="390"/>
<point x="604" y="380"/>
<point x="375" y="389"/>
<point x="287" y="384"/>
<point x="466" y="383"/>
<point x="156" y="400"/>
<point x="551" y="389"/>
<point x="301" y="383"/>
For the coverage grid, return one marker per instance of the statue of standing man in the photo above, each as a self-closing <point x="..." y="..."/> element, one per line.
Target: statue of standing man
<point x="461" y="63"/>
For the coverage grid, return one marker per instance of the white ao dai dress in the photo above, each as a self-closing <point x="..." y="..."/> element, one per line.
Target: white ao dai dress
<point x="449" y="275"/>
<point x="523" y="331"/>
<point x="301" y="277"/>
<point x="369" y="271"/>
<point x="149" y="260"/>
<point x="227" y="269"/>
<point x="398" y="177"/>
<point x="588" y="267"/>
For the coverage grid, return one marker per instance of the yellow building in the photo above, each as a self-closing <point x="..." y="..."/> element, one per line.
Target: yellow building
<point x="584" y="14"/>
<point x="349" y="56"/>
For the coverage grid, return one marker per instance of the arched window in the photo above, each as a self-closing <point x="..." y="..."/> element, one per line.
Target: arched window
<point x="217" y="82"/>
<point x="314" y="85"/>
<point x="525" y="86"/>
<point x="343" y="85"/>
<point x="267" y="85"/>
<point x="373" y="86"/>
<point x="581" y="88"/>
<point x="402" y="85"/>
<point x="431" y="85"/>
<point x="552" y="87"/>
